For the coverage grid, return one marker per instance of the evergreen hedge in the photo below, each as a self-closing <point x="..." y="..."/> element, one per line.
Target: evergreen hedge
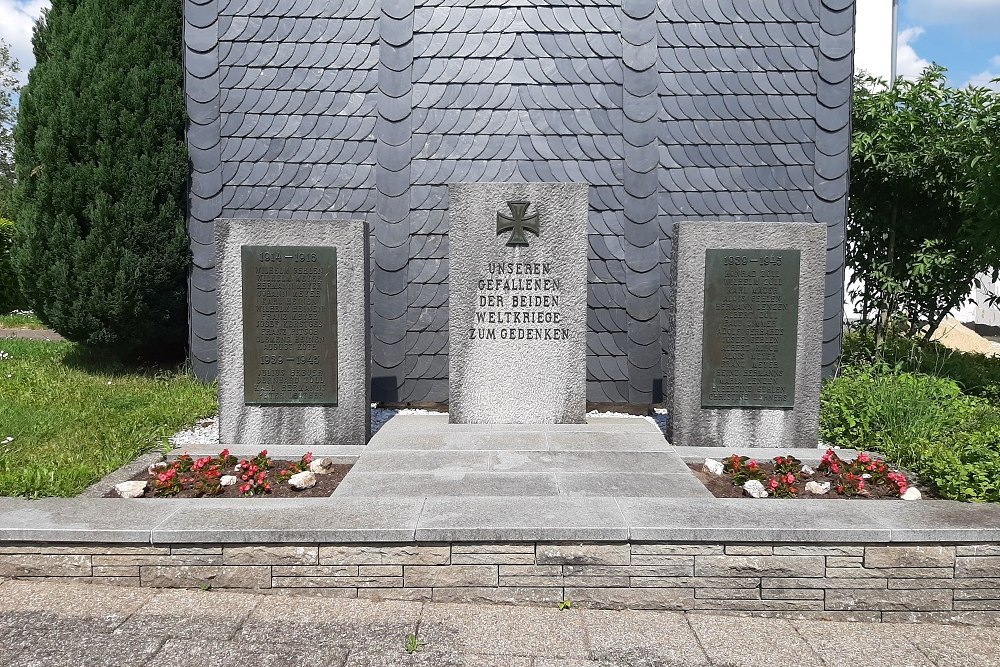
<point x="10" y="294"/>
<point x="102" y="171"/>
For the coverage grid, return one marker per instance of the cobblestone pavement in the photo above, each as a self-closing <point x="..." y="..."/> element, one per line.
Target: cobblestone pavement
<point x="54" y="624"/>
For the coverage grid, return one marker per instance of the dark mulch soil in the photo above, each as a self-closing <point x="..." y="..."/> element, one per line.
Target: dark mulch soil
<point x="325" y="485"/>
<point x="722" y="487"/>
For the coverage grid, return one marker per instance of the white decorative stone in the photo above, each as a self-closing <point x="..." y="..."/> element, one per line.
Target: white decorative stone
<point x="130" y="489"/>
<point x="754" y="489"/>
<point x="302" y="480"/>
<point x="806" y="470"/>
<point x="713" y="467"/>
<point x="818" y="488"/>
<point x="162" y="465"/>
<point x="912" y="493"/>
<point x="322" y="466"/>
<point x="228" y="480"/>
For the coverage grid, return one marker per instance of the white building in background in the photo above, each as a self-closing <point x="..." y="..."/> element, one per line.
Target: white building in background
<point x="874" y="54"/>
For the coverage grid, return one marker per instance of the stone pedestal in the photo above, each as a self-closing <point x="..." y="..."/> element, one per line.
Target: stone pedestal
<point x="293" y="332"/>
<point x="745" y="338"/>
<point x="517" y="302"/>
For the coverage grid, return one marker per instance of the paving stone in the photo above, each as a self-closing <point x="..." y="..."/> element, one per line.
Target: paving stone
<point x="977" y="550"/>
<point x="965" y="617"/>
<point x="187" y="653"/>
<point x="407" y="554"/>
<point x="519" y="519"/>
<point x="111" y="520"/>
<point x="759" y="605"/>
<point x="817" y="582"/>
<point x="85" y="648"/>
<point x="191" y="614"/>
<point x="909" y="556"/>
<point x="764" y="566"/>
<point x="494" y="548"/>
<point x="105" y="607"/>
<point x="216" y="576"/>
<point x="611" y="441"/>
<point x="792" y="593"/>
<point x="501" y="630"/>
<point x="450" y="575"/>
<point x="290" y="521"/>
<point x="334" y="622"/>
<point x="671" y="599"/>
<point x="412" y="594"/>
<point x="630" y="485"/>
<point x="83" y="549"/>
<point x="977" y="566"/>
<point x="853" y="644"/>
<point x="749" y="550"/>
<point x="582" y="554"/>
<point x="438" y="462"/>
<point x="642" y="638"/>
<point x="639" y="548"/>
<point x="587" y="461"/>
<point x="817" y="550"/>
<point x="534" y="595"/>
<point x="335" y="582"/>
<point x="492" y="559"/>
<point x="892" y="600"/>
<point x="171" y="559"/>
<point x="729" y="640"/>
<point x="359" y="483"/>
<point x="430" y="656"/>
<point x="52" y="565"/>
<point x="955" y="645"/>
<point x="270" y="555"/>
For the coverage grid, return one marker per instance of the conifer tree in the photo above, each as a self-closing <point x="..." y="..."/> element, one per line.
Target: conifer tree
<point x="101" y="167"/>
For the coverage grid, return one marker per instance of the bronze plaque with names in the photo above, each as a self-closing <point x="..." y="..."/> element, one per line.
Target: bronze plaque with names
<point x="289" y="325"/>
<point x="750" y="328"/>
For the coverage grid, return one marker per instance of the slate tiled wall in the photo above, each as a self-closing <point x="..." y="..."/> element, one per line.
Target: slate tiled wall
<point x="733" y="110"/>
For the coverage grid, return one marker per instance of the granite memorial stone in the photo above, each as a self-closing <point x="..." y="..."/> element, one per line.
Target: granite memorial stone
<point x="517" y="302"/>
<point x="745" y="339"/>
<point x="293" y="332"/>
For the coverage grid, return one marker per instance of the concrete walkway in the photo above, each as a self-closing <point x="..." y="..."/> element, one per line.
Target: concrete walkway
<point x="55" y="624"/>
<point x="31" y="334"/>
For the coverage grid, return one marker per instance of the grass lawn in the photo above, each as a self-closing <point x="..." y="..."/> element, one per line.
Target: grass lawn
<point x="17" y="321"/>
<point x="74" y="419"/>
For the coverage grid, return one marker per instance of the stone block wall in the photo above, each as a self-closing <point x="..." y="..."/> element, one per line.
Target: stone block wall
<point x="956" y="583"/>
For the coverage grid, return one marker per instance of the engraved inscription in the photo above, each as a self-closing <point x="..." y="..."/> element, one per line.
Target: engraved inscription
<point x="518" y="301"/>
<point x="289" y="325"/>
<point x="750" y="328"/>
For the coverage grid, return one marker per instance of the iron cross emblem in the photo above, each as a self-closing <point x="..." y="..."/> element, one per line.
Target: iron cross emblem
<point x="517" y="223"/>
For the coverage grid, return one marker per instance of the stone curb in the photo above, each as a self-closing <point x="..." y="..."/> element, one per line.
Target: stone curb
<point x="401" y="519"/>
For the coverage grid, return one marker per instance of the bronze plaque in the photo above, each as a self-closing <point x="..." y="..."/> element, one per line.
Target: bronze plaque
<point x="750" y="328"/>
<point x="289" y="325"/>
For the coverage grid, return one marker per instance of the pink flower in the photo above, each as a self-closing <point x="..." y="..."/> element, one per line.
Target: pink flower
<point x="773" y="483"/>
<point x="864" y="458"/>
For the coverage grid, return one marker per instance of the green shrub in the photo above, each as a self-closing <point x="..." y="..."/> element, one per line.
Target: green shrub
<point x="102" y="169"/>
<point x="923" y="423"/>
<point x="10" y="293"/>
<point x="976" y="374"/>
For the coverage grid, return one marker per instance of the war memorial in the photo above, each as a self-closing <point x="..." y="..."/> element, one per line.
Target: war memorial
<point x="512" y="213"/>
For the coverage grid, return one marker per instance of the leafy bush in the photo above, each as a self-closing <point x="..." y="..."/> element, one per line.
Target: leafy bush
<point x="976" y="374"/>
<point x="101" y="167"/>
<point x="10" y="294"/>
<point x="923" y="423"/>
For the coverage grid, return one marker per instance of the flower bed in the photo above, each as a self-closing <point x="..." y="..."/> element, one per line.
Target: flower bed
<point x="786" y="477"/>
<point x="225" y="476"/>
